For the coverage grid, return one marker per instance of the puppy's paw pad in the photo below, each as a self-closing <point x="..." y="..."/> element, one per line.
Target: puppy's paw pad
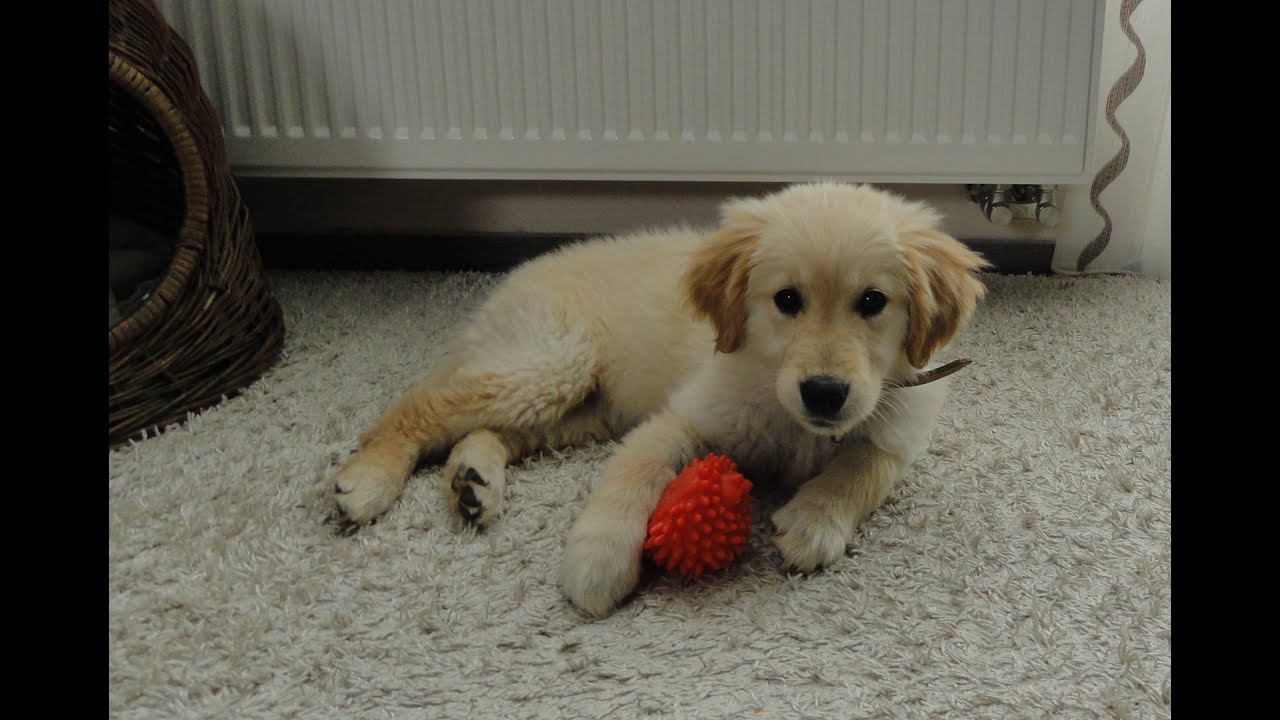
<point x="466" y="476"/>
<point x="478" y="500"/>
<point x="470" y="506"/>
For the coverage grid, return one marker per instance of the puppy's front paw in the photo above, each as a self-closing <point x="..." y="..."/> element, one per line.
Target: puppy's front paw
<point x="601" y="564"/>
<point x="808" y="536"/>
<point x="364" y="490"/>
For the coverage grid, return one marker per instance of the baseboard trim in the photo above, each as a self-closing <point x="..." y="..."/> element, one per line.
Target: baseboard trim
<point x="499" y="252"/>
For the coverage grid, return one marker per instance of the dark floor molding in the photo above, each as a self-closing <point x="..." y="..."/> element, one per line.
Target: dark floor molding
<point x="499" y="252"/>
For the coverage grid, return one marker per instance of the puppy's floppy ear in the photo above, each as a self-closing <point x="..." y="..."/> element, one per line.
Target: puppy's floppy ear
<point x="944" y="290"/>
<point x="716" y="282"/>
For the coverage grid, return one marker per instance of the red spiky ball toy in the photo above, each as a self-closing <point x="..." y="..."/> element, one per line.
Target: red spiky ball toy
<point x="703" y="518"/>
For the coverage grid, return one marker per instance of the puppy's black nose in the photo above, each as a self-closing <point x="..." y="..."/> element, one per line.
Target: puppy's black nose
<point x="824" y="395"/>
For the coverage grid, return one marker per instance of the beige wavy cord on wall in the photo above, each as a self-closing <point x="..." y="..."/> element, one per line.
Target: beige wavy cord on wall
<point x="1123" y="88"/>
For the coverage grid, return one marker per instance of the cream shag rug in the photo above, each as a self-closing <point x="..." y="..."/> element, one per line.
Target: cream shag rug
<point x="1020" y="571"/>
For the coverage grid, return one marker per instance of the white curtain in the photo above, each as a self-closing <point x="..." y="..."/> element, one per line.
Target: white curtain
<point x="1137" y="198"/>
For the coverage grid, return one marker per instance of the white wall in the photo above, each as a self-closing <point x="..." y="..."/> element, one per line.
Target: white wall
<point x="1157" y="245"/>
<point x="1138" y="200"/>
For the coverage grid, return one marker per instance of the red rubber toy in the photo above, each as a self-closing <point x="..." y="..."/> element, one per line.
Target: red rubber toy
<point x="703" y="518"/>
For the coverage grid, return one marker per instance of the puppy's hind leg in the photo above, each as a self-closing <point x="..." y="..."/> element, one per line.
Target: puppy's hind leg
<point x="529" y="387"/>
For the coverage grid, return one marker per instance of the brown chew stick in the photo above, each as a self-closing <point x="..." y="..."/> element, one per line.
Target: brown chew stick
<point x="935" y="374"/>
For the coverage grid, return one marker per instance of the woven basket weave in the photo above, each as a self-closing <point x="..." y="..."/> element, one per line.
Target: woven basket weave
<point x="211" y="326"/>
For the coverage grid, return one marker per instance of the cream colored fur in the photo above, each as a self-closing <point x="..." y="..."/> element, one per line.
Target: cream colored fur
<point x="674" y="340"/>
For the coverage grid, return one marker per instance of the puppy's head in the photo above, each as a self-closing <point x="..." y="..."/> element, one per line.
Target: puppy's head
<point x="836" y="288"/>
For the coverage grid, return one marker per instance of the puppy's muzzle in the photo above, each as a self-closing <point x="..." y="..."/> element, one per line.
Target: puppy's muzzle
<point x="824" y="396"/>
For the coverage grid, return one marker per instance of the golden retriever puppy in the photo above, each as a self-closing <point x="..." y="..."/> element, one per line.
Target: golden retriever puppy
<point x="778" y="339"/>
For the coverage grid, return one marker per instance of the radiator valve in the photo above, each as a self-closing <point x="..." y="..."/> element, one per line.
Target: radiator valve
<point x="1002" y="204"/>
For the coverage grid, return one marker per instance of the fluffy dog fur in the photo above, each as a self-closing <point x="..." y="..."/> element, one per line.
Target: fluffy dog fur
<point x="678" y="340"/>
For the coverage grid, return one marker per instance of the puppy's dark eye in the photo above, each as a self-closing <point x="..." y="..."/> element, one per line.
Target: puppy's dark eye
<point x="789" y="301"/>
<point x="871" y="303"/>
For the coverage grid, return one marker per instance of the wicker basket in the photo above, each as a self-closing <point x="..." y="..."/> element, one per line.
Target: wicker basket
<point x="211" y="326"/>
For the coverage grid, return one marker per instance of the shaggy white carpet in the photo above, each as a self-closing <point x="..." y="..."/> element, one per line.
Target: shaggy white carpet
<point x="1021" y="570"/>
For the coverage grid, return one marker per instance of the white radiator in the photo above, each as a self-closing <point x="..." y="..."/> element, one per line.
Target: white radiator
<point x="876" y="90"/>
